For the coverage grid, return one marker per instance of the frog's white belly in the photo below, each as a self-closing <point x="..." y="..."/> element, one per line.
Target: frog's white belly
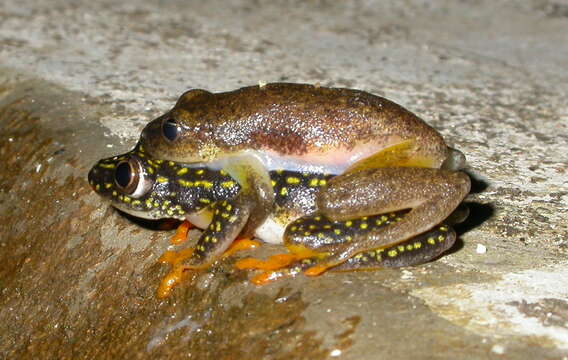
<point x="271" y="231"/>
<point x="330" y="162"/>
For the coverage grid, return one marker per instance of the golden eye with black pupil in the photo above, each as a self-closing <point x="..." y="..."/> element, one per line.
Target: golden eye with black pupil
<point x="170" y="129"/>
<point x="126" y="177"/>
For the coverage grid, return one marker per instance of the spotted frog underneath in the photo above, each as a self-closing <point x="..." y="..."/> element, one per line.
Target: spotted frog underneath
<point x="209" y="198"/>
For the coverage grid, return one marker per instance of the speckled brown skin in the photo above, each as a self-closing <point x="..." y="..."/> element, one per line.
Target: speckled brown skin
<point x="290" y="119"/>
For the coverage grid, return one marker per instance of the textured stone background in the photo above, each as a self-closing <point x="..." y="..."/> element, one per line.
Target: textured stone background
<point x="78" y="80"/>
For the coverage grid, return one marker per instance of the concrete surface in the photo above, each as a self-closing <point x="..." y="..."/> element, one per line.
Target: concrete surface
<point x="79" y="79"/>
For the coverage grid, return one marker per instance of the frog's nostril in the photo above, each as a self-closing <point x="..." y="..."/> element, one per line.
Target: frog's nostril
<point x="170" y="129"/>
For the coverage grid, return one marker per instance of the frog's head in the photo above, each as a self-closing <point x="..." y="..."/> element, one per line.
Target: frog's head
<point x="139" y="186"/>
<point x="184" y="133"/>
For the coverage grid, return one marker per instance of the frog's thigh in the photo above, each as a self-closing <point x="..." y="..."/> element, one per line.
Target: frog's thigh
<point x="432" y="194"/>
<point x="229" y="218"/>
<point x="417" y="250"/>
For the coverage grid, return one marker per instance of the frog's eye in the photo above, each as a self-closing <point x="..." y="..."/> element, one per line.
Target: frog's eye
<point x="130" y="179"/>
<point x="170" y="129"/>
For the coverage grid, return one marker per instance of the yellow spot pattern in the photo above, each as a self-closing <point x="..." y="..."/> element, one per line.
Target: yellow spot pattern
<point x="292" y="180"/>
<point x="228" y="184"/>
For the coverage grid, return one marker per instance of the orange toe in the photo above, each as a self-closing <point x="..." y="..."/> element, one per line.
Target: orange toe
<point x="316" y="270"/>
<point x="249" y="263"/>
<point x="240" y="245"/>
<point x="175" y="257"/>
<point x="181" y="233"/>
<point x="266" y="277"/>
<point x="169" y="281"/>
<point x="275" y="262"/>
<point x="174" y="276"/>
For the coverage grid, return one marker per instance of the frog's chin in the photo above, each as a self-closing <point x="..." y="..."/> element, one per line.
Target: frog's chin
<point x="150" y="215"/>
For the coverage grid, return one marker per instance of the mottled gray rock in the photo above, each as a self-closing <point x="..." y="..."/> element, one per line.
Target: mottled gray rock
<point x="78" y="80"/>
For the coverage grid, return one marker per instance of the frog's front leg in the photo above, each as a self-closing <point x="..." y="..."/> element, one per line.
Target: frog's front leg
<point x="430" y="194"/>
<point x="255" y="185"/>
<point x="228" y="220"/>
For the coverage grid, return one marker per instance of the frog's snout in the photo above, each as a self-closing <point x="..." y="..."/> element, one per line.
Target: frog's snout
<point x="101" y="175"/>
<point x="95" y="177"/>
<point x="92" y="175"/>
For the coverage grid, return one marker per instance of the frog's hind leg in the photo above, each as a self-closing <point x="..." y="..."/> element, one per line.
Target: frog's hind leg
<point x="417" y="250"/>
<point x="430" y="194"/>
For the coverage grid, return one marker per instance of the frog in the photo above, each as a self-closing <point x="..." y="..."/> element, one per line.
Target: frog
<point x="251" y="131"/>
<point x="209" y="198"/>
<point x="384" y="157"/>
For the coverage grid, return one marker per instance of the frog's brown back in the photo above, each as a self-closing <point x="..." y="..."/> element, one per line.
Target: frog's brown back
<point x="289" y="119"/>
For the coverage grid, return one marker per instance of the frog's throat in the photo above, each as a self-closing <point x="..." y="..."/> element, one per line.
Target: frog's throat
<point x="201" y="218"/>
<point x="143" y="214"/>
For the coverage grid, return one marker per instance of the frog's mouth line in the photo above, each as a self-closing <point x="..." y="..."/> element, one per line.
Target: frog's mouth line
<point x="149" y="215"/>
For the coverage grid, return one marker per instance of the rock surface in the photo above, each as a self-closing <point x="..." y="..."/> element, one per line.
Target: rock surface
<point x="78" y="80"/>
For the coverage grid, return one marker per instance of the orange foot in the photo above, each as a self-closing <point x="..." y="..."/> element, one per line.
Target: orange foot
<point x="274" y="262"/>
<point x="176" y="258"/>
<point x="283" y="265"/>
<point x="173" y="277"/>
